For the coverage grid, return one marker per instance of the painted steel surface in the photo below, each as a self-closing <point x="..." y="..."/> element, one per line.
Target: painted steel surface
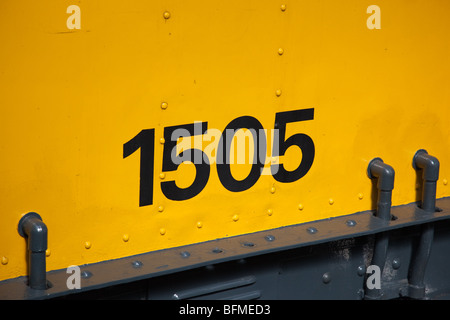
<point x="90" y="95"/>
<point x="241" y="248"/>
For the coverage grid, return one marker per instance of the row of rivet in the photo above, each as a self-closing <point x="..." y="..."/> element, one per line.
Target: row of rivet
<point x="326" y="277"/>
<point x="5" y="260"/>
<point x="280" y="52"/>
<point x="125" y="237"/>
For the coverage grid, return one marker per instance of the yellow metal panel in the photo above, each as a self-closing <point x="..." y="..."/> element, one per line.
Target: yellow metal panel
<point x="71" y="98"/>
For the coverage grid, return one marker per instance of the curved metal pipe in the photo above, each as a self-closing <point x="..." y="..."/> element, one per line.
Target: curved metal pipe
<point x="430" y="167"/>
<point x="34" y="229"/>
<point x="430" y="174"/>
<point x="385" y="174"/>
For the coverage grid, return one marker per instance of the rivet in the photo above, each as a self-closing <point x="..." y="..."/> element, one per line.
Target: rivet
<point x="248" y="244"/>
<point x="361" y="270"/>
<point x="87" y="244"/>
<point x="5" y="260"/>
<point x="360" y="294"/>
<point x="162" y="231"/>
<point x="166" y="15"/>
<point x="48" y="253"/>
<point x="164" y="105"/>
<point x="269" y="212"/>
<point x="351" y="223"/>
<point x="125" y="237"/>
<point x="396" y="263"/>
<point x="269" y="238"/>
<point x="445" y="182"/>
<point x="137" y="264"/>
<point x="86" y="274"/>
<point x="235" y="217"/>
<point x="278" y="92"/>
<point x="185" y="254"/>
<point x="300" y="206"/>
<point x="326" y="278"/>
<point x="199" y="224"/>
<point x="331" y="201"/>
<point x="217" y="250"/>
<point x="283" y="7"/>
<point x="280" y="51"/>
<point x="311" y="230"/>
<point x="162" y="141"/>
<point x="360" y="196"/>
<point x="162" y="175"/>
<point x="272" y="190"/>
<point x="160" y="208"/>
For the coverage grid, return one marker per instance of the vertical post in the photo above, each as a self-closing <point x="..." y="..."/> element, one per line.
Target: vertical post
<point x="430" y="174"/>
<point x="385" y="174"/>
<point x="33" y="228"/>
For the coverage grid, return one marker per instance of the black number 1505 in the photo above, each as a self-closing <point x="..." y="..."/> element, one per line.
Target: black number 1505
<point x="145" y="141"/>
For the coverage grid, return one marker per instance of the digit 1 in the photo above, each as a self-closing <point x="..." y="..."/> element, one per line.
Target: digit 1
<point x="145" y="140"/>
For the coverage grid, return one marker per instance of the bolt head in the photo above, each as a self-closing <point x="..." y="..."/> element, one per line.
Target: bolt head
<point x="396" y="263"/>
<point x="351" y="223"/>
<point x="361" y="271"/>
<point x="311" y="230"/>
<point x="326" y="278"/>
<point x="136" y="264"/>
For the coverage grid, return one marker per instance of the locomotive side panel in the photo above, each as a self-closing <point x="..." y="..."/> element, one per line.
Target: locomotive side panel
<point x="91" y="95"/>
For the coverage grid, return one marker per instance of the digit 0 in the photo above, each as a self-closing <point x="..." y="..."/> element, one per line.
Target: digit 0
<point x="223" y="154"/>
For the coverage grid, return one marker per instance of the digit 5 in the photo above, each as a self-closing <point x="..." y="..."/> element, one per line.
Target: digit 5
<point x="171" y="161"/>
<point x="303" y="141"/>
